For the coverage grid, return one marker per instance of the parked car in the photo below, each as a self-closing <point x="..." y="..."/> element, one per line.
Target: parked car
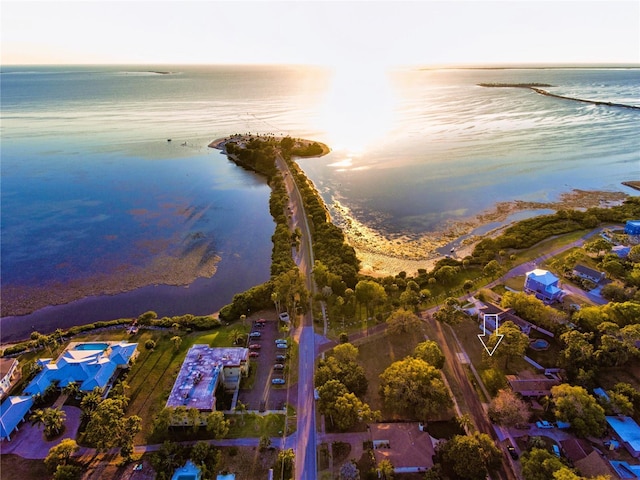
<point x="254" y="354"/>
<point x="512" y="452"/>
<point x="281" y="358"/>
<point x="281" y="340"/>
<point x="278" y="381"/>
<point x="278" y="366"/>
<point x="544" y="424"/>
<point x="255" y="346"/>
<point x="282" y="346"/>
<point x="556" y="450"/>
<point x="255" y="335"/>
<point x="284" y="316"/>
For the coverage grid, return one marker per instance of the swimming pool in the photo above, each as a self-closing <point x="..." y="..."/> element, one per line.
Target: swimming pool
<point x="92" y="346"/>
<point x="540" y="344"/>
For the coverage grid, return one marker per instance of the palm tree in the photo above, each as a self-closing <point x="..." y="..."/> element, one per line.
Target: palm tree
<point x="37" y="417"/>
<point x="53" y="421"/>
<point x="236" y="336"/>
<point x="71" y="390"/>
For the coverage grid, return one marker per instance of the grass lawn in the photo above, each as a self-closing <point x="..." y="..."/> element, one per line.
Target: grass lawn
<point x="154" y="372"/>
<point x="377" y="354"/>
<point x="547" y="246"/>
<point x="252" y="425"/>
<point x="248" y="463"/>
<point x="608" y="377"/>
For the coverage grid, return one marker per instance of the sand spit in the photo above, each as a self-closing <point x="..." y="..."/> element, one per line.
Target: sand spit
<point x="164" y="269"/>
<point x="383" y="255"/>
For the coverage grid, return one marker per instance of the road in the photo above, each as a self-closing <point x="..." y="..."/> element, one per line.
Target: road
<point x="306" y="441"/>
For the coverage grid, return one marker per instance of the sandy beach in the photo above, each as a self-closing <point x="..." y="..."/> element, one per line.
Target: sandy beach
<point x="383" y="255"/>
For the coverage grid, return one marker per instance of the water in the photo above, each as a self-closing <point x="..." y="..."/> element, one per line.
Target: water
<point x="91" y="188"/>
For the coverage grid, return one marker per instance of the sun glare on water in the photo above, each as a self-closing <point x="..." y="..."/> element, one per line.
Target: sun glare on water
<point x="358" y="109"/>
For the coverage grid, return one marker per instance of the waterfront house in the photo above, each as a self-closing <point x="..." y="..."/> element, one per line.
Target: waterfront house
<point x="89" y="365"/>
<point x="628" y="431"/>
<point x="544" y="285"/>
<point x="203" y="370"/>
<point x="8" y="373"/>
<point x="12" y="412"/>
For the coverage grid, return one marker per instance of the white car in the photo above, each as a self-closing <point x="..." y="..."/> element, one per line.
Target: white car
<point x="255" y="335"/>
<point x="284" y="316"/>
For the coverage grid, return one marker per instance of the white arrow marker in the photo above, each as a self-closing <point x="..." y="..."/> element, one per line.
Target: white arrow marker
<point x="494" y="317"/>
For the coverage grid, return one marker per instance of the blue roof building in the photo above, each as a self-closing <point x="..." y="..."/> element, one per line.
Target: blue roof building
<point x="628" y="431"/>
<point x="12" y="412"/>
<point x="544" y="285"/>
<point x="632" y="227"/>
<point x="624" y="470"/>
<point x="90" y="365"/>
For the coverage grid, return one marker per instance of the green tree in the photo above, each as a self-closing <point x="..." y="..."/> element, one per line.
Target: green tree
<point x="194" y="418"/>
<point x="403" y="321"/>
<point x="349" y="410"/>
<point x="449" y="312"/>
<point x="577" y="353"/>
<point x="368" y="293"/>
<point x="328" y="393"/>
<point x="508" y="409"/>
<point x="61" y="453"/>
<point x="345" y="353"/>
<point x="284" y="464"/>
<point x="67" y="472"/>
<point x="413" y="387"/>
<point x="51" y="418"/>
<point x="217" y="425"/>
<point x="430" y="352"/>
<point x="290" y="289"/>
<point x="385" y="469"/>
<point x="472" y="457"/>
<point x="540" y="464"/>
<point x="575" y="405"/>
<point x="350" y="374"/>
<point x="177" y="341"/>
<point x="446" y="274"/>
<point x="513" y="344"/>
<point x="492" y="269"/>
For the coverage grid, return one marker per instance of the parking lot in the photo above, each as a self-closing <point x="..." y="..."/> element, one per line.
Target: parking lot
<point x="264" y="395"/>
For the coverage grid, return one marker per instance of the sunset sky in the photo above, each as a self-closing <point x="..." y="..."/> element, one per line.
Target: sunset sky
<point x="326" y="33"/>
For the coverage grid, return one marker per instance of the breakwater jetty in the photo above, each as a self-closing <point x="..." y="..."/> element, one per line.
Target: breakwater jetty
<point x="537" y="87"/>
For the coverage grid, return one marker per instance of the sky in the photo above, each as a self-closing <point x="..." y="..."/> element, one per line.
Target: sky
<point x="338" y="34"/>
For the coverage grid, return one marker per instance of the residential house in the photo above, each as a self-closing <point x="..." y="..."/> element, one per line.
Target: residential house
<point x="8" y="373"/>
<point x="622" y="251"/>
<point x="624" y="470"/>
<point x="90" y="365"/>
<point x="544" y="285"/>
<point x="533" y="385"/>
<point x="628" y="431"/>
<point x="406" y="445"/>
<point x="12" y="412"/>
<point x="203" y="370"/>
<point x="588" y="273"/>
<point x="632" y="227"/>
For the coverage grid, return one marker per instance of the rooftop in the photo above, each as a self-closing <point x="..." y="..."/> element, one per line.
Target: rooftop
<point x="12" y="411"/>
<point x="199" y="375"/>
<point x="627" y="429"/>
<point x="542" y="276"/>
<point x="408" y="446"/>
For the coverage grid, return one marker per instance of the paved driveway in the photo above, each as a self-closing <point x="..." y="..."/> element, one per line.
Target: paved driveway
<point x="29" y="441"/>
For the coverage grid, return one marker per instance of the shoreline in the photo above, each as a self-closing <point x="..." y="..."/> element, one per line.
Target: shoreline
<point x="380" y="254"/>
